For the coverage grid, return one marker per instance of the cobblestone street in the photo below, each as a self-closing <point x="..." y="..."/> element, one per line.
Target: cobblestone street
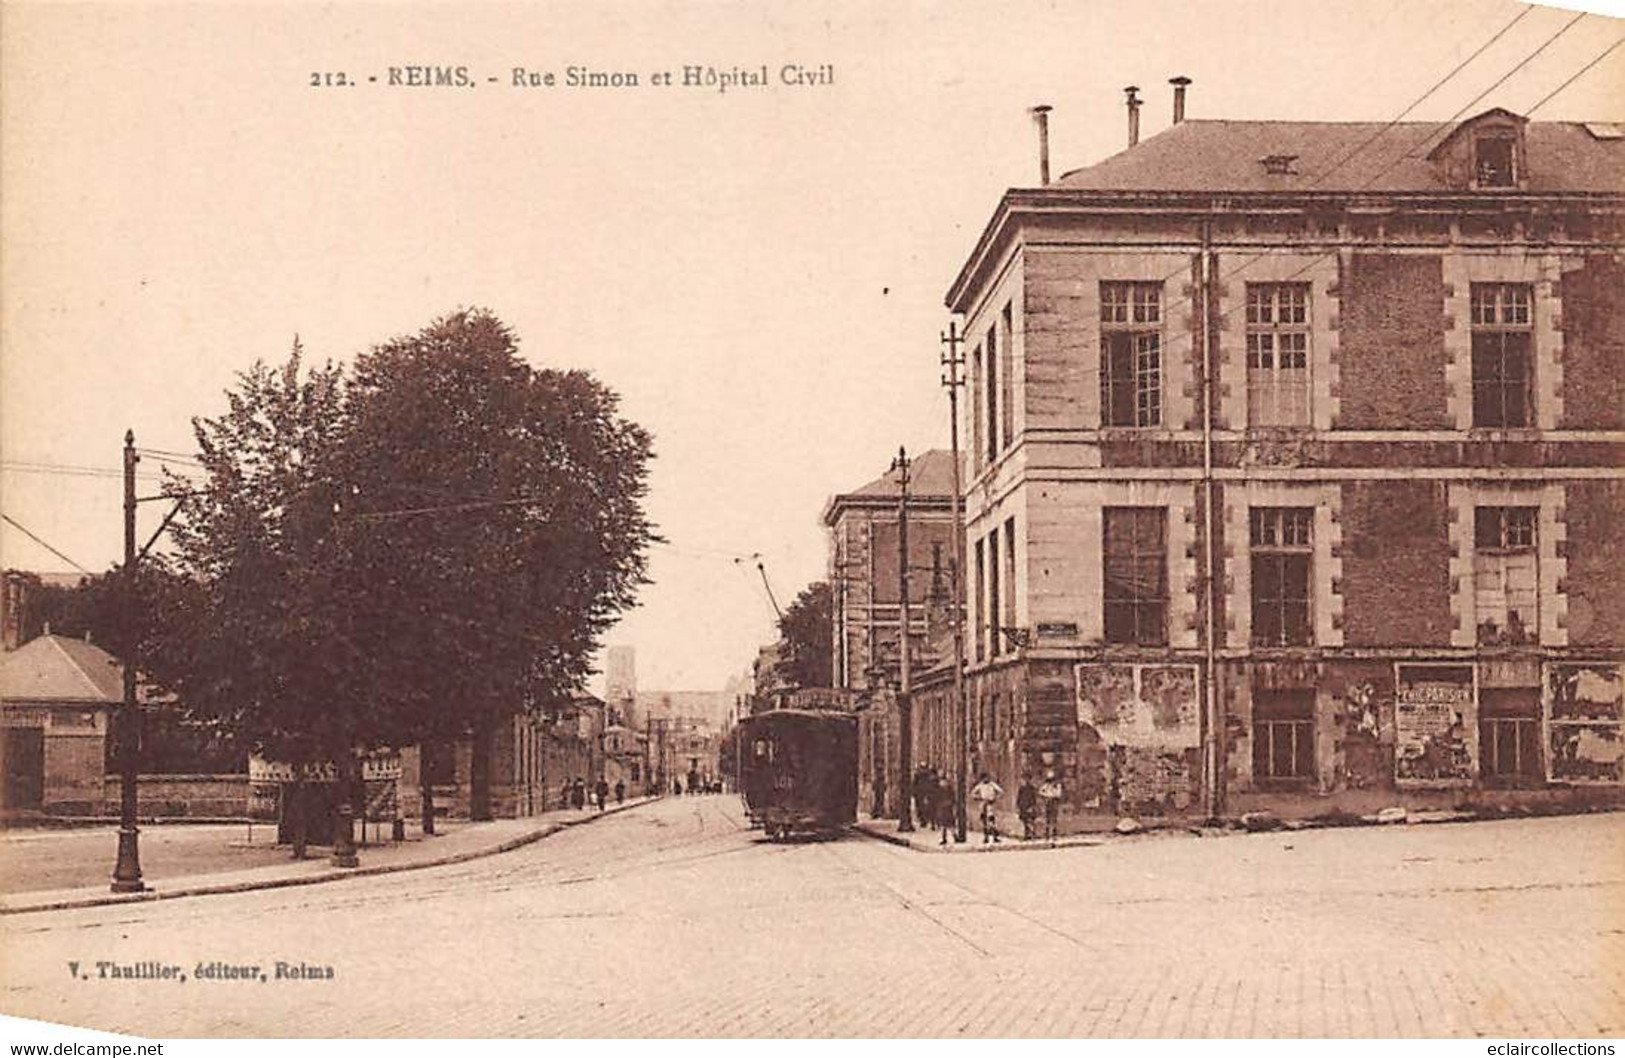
<point x="672" y="919"/>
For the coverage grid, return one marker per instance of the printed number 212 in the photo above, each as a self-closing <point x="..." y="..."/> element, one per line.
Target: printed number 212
<point x="328" y="80"/>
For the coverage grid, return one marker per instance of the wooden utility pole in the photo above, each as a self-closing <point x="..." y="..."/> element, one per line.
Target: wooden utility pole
<point x="905" y="709"/>
<point x="1212" y="722"/>
<point x="953" y="361"/>
<point x="127" y="871"/>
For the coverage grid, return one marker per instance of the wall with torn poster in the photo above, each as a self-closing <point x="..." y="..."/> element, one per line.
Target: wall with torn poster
<point x="1148" y="719"/>
<point x="1435" y="724"/>
<point x="1585" y="709"/>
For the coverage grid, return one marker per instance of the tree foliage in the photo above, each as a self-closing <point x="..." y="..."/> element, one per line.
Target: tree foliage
<point x="517" y="533"/>
<point x="270" y="649"/>
<point x="98" y="610"/>
<point x="407" y="552"/>
<point x="807" y="631"/>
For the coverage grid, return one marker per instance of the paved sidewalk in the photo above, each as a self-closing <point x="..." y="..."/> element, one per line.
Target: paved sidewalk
<point x="267" y="866"/>
<point x="924" y="839"/>
<point x="930" y="840"/>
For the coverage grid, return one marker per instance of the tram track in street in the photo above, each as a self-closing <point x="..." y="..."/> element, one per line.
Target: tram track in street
<point x="915" y="862"/>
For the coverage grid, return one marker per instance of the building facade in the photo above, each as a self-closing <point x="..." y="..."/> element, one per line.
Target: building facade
<point x="866" y="615"/>
<point x="864" y="554"/>
<point x="530" y="757"/>
<point x="1296" y="470"/>
<point x="626" y="760"/>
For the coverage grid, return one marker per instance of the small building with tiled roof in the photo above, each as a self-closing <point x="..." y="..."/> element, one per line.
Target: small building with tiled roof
<point x="56" y="700"/>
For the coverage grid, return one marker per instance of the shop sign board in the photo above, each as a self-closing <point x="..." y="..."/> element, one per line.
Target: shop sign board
<point x="375" y="767"/>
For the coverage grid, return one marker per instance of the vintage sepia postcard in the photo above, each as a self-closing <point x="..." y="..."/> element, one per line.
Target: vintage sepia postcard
<point x="718" y="520"/>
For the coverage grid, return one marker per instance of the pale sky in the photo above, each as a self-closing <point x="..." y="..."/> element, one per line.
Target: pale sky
<point x="759" y="273"/>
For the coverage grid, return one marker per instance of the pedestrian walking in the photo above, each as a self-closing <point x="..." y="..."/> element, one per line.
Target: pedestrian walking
<point x="1050" y="794"/>
<point x="677" y="787"/>
<point x="986" y="793"/>
<point x="945" y="807"/>
<point x="601" y="790"/>
<point x="620" y="791"/>
<point x="564" y="793"/>
<point x="1027" y="806"/>
<point x="578" y="793"/>
<point x="925" y="795"/>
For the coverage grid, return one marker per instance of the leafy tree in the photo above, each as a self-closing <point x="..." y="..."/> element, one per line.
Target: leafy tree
<point x="267" y="646"/>
<point x="97" y="609"/>
<point x="89" y="608"/>
<point x="505" y="527"/>
<point x="409" y="554"/>
<point x="808" y="634"/>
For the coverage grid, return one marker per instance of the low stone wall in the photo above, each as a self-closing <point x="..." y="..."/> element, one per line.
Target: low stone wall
<point x="176" y="796"/>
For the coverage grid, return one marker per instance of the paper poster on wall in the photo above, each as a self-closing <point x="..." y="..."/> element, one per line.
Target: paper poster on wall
<point x="1140" y="705"/>
<point x="1434" y="723"/>
<point x="1585" y="706"/>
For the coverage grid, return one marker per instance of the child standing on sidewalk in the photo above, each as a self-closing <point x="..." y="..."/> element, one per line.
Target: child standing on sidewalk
<point x="1050" y="795"/>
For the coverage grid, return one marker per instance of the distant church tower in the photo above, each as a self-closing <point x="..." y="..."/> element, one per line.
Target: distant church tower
<point x="621" y="680"/>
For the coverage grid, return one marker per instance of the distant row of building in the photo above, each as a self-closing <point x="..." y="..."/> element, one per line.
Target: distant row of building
<point x="58" y="697"/>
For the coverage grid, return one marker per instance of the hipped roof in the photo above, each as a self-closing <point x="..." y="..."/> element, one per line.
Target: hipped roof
<point x="1346" y="156"/>
<point x="58" y="669"/>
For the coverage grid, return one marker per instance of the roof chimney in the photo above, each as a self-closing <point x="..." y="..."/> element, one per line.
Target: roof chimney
<point x="1040" y="114"/>
<point x="1132" y="91"/>
<point x="1179" y="84"/>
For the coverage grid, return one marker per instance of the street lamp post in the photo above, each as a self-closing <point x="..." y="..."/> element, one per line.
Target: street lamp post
<point x="127" y="871"/>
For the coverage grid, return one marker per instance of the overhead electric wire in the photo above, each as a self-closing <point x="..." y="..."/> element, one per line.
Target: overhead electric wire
<point x="144" y="450"/>
<point x="1408" y="153"/>
<point x="452" y="508"/>
<point x="70" y="471"/>
<point x="34" y="537"/>
<point x="1527" y="59"/>
<point x="1419" y="100"/>
<point x="1190" y="300"/>
<point x="173" y="461"/>
<point x="1582" y="71"/>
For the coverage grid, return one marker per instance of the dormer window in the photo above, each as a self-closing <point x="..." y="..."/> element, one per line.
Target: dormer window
<point x="1484" y="153"/>
<point x="1494" y="161"/>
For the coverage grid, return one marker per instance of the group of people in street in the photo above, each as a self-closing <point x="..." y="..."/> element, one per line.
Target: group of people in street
<point x="696" y="785"/>
<point x="934" y="804"/>
<point x="575" y="794"/>
<point x="1045" y="797"/>
<point x="934" y="801"/>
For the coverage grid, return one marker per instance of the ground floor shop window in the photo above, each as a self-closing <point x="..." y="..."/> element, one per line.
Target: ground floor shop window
<point x="1509" y="736"/>
<point x="1284" y="736"/>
